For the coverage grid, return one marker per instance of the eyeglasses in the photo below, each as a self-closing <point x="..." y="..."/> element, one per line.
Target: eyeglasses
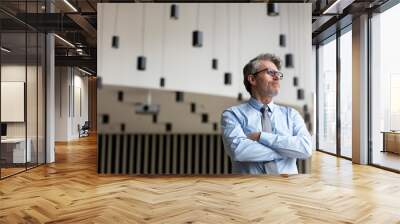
<point x="271" y="72"/>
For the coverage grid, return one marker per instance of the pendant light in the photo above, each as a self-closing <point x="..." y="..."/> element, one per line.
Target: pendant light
<point x="289" y="63"/>
<point x="300" y="91"/>
<point x="239" y="48"/>
<point x="282" y="40"/>
<point x="295" y="81"/>
<point x="115" y="37"/>
<point x="228" y="75"/>
<point x="282" y="37"/>
<point x="215" y="126"/>
<point x="155" y="118"/>
<point x="162" y="82"/>
<point x="300" y="94"/>
<point x="168" y="127"/>
<point x="197" y="35"/>
<point x="193" y="107"/>
<point x="122" y="127"/>
<point x="272" y="9"/>
<point x="178" y="96"/>
<point x="228" y="78"/>
<point x="240" y="97"/>
<point x="105" y="119"/>
<point x="163" y="39"/>
<point x="120" y="96"/>
<point x="141" y="60"/>
<point x="204" y="118"/>
<point x="214" y="61"/>
<point x="174" y="12"/>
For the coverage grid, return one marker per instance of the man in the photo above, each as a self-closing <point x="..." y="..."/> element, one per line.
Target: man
<point x="260" y="136"/>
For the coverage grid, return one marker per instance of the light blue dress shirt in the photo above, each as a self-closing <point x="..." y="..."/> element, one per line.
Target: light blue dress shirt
<point x="274" y="153"/>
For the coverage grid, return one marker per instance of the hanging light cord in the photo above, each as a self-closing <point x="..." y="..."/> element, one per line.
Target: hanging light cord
<point x="214" y="29"/>
<point x="197" y="16"/>
<point x="116" y="18"/>
<point x="239" y="35"/>
<point x="143" y="25"/>
<point x="163" y="39"/>
<point x="228" y="30"/>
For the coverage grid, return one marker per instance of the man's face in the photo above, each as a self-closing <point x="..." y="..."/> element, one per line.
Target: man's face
<point x="263" y="83"/>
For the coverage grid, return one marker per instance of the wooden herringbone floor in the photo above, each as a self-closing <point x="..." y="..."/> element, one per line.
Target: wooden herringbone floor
<point x="70" y="191"/>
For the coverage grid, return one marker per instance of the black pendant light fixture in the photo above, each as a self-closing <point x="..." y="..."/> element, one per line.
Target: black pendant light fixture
<point x="300" y="94"/>
<point x="178" y="96"/>
<point x="168" y="127"/>
<point x="155" y="118"/>
<point x="289" y="60"/>
<point x="307" y="117"/>
<point x="141" y="63"/>
<point x="120" y="96"/>
<point x="305" y="108"/>
<point x="115" y="37"/>
<point x="228" y="78"/>
<point x="197" y="38"/>
<point x="197" y="35"/>
<point x="215" y="126"/>
<point x="228" y="75"/>
<point x="214" y="64"/>
<point x="115" y="41"/>
<point x="282" y="40"/>
<point x="295" y="81"/>
<point x="122" y="127"/>
<point x="272" y="9"/>
<point x="193" y="107"/>
<point x="162" y="82"/>
<point x="204" y="118"/>
<point x="141" y="60"/>
<point x="174" y="12"/>
<point x="240" y="97"/>
<point x="105" y="119"/>
<point x="163" y="21"/>
<point x="214" y="61"/>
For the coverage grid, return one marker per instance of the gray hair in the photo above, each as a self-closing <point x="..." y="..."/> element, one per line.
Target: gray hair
<point x="254" y="65"/>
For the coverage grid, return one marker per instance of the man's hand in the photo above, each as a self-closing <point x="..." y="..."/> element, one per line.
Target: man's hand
<point x="255" y="136"/>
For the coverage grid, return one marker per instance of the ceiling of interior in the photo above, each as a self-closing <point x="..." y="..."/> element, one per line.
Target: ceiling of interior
<point x="77" y="22"/>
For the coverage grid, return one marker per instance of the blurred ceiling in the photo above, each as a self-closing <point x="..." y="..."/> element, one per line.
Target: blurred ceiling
<point x="76" y="22"/>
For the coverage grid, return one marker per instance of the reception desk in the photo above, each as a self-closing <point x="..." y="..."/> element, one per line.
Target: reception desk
<point x="391" y="141"/>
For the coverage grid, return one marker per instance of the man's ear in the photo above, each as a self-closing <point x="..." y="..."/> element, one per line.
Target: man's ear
<point x="251" y="79"/>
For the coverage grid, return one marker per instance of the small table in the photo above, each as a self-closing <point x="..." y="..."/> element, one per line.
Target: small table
<point x="16" y="148"/>
<point x="391" y="141"/>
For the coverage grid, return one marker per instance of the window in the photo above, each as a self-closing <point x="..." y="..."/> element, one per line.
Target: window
<point x="327" y="97"/>
<point x="346" y="94"/>
<point x="385" y="89"/>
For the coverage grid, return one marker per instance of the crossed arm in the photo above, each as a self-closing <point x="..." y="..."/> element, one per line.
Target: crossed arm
<point x="263" y="146"/>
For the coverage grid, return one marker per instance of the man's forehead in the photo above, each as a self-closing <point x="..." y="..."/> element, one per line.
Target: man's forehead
<point x="268" y="64"/>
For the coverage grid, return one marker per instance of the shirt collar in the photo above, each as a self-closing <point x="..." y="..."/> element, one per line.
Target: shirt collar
<point x="258" y="105"/>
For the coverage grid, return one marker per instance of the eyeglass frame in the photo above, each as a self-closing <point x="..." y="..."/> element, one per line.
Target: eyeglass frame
<point x="276" y="73"/>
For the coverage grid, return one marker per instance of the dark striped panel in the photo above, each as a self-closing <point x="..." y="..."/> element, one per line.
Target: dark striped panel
<point x="156" y="154"/>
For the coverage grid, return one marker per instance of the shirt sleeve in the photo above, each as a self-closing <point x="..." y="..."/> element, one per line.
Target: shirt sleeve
<point x="296" y="146"/>
<point x="238" y="146"/>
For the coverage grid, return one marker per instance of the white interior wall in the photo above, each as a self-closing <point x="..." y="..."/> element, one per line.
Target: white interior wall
<point x="188" y="69"/>
<point x="69" y="81"/>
